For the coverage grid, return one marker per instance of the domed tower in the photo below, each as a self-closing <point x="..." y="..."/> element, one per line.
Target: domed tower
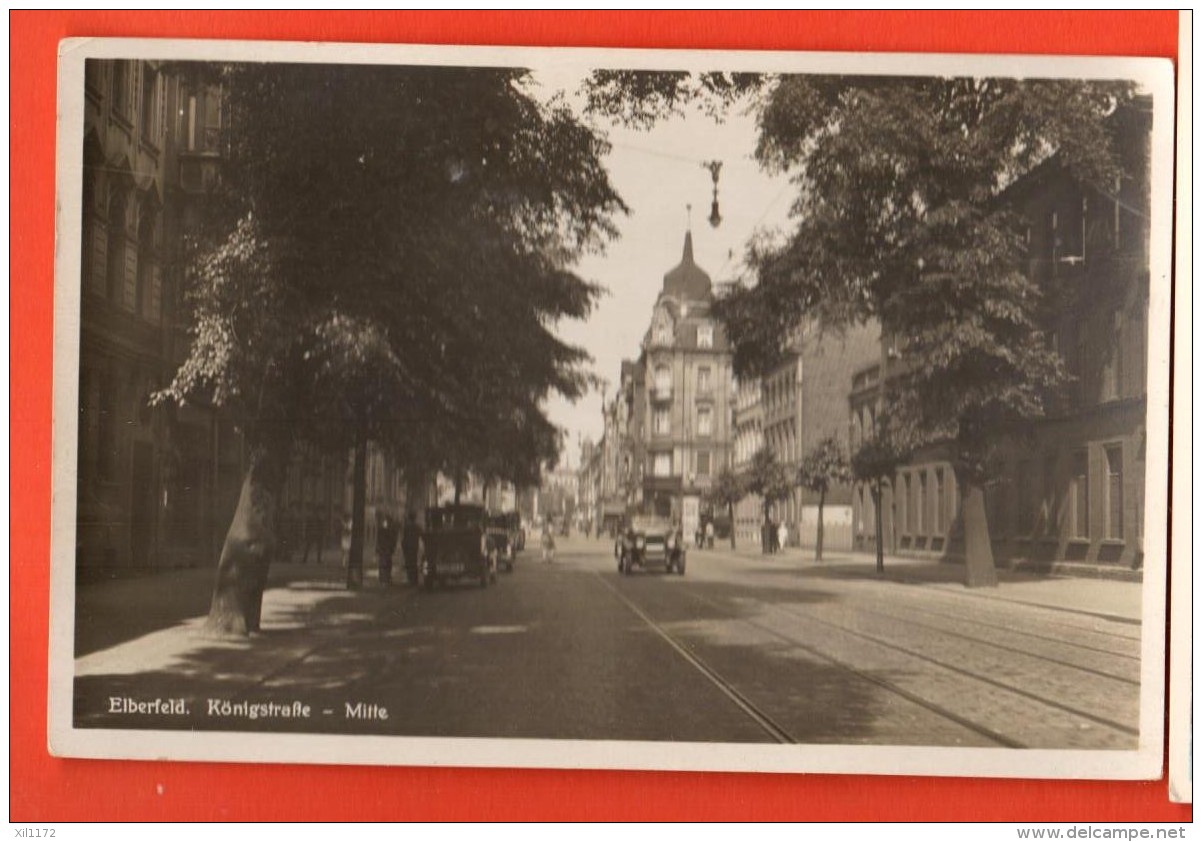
<point x="687" y="281"/>
<point x="687" y="394"/>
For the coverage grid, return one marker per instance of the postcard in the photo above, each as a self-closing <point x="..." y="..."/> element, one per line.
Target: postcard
<point x="461" y="406"/>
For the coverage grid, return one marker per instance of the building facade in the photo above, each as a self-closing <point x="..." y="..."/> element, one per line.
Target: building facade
<point x="1069" y="490"/>
<point x="686" y="395"/>
<point x="789" y="411"/>
<point x="748" y="420"/>
<point x="157" y="484"/>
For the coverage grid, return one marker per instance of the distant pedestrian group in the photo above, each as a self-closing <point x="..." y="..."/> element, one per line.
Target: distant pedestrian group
<point x="773" y="537"/>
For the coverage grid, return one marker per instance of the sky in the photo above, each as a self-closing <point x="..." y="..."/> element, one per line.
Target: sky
<point x="658" y="173"/>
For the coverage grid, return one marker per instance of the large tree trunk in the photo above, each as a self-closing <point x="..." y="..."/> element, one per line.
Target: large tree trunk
<point x="818" y="542"/>
<point x="730" y="510"/>
<point x="250" y="545"/>
<point x="354" y="564"/>
<point x="765" y="538"/>
<point x="979" y="571"/>
<point x="880" y="530"/>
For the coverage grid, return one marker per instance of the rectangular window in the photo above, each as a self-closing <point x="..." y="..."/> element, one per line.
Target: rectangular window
<point x="1049" y="496"/>
<point x="662" y="422"/>
<point x="705" y="336"/>
<point x="921" y="503"/>
<point x="703" y="381"/>
<point x="150" y="110"/>
<point x="705" y="421"/>
<point x="663" y="464"/>
<point x="1026" y="500"/>
<point x="1072" y="232"/>
<point x="1114" y="492"/>
<point x="1080" y="494"/>
<point x="121" y="88"/>
<point x="1112" y="367"/>
<point x="939" y="524"/>
<point x="1081" y="364"/>
<point x="193" y="125"/>
<point x="703" y="463"/>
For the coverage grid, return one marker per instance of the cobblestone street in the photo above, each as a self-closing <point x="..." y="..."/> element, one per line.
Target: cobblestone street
<point x="745" y="648"/>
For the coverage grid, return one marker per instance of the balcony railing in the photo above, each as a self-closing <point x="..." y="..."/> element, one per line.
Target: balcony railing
<point x="661" y="393"/>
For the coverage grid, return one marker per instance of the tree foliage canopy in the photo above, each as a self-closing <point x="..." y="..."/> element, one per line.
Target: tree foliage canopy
<point x="824" y="466"/>
<point x="903" y="217"/>
<point x="876" y="459"/>
<point x="727" y="490"/>
<point x="389" y="253"/>
<point x="767" y="478"/>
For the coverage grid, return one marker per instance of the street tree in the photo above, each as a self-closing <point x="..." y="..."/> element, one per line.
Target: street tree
<point x="874" y="463"/>
<point x="726" y="492"/>
<point x="769" y="479"/>
<point x="824" y="466"/>
<point x="902" y="217"/>
<point x="385" y="259"/>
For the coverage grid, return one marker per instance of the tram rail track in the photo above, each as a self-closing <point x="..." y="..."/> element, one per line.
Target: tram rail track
<point x="769" y="724"/>
<point x="1007" y="648"/>
<point x="781" y="733"/>
<point x="1001" y="685"/>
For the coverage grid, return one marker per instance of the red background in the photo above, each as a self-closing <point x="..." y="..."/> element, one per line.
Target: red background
<point x="51" y="789"/>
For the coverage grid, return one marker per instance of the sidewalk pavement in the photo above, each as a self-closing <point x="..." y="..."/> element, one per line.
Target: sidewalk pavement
<point x="110" y="613"/>
<point x="1110" y="599"/>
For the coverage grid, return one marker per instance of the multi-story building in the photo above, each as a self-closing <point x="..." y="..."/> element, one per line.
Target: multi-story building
<point x="790" y="410"/>
<point x="748" y="420"/>
<point x="557" y="495"/>
<point x="589" y="483"/>
<point x="686" y="394"/>
<point x="1070" y="490"/>
<point x="157" y="485"/>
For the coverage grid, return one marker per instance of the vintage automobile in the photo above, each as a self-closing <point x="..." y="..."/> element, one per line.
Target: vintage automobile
<point x="500" y="543"/>
<point x="456" y="547"/>
<point x="517" y="530"/>
<point x="648" y="541"/>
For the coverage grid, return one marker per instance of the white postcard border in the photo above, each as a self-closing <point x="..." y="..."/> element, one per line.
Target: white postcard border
<point x="66" y="740"/>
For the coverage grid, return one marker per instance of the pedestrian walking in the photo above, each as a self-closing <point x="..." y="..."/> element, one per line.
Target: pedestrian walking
<point x="386" y="536"/>
<point x="313" y="535"/>
<point x="782" y="535"/>
<point x="411" y="547"/>
<point x="347" y="528"/>
<point x="709" y="534"/>
<point x="548" y="544"/>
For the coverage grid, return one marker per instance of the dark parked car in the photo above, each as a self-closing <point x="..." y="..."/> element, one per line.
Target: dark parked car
<point x="456" y="542"/>
<point x="649" y="541"/>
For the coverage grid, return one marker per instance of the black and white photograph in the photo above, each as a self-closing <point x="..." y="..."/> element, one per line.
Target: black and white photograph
<point x="612" y="409"/>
